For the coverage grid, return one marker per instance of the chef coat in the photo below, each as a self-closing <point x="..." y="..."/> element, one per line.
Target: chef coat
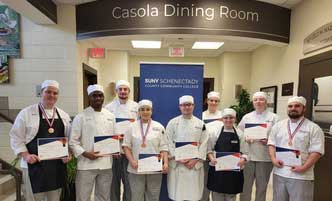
<point x="309" y="138"/>
<point x="86" y="125"/>
<point x="155" y="141"/>
<point x="184" y="183"/>
<point x="258" y="151"/>
<point x="26" y="126"/>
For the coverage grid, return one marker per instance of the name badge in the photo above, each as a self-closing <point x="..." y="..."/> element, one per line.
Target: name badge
<point x="234" y="141"/>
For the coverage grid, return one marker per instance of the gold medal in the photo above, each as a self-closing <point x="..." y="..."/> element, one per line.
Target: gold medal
<point x="143" y="145"/>
<point x="290" y="143"/>
<point x="51" y="130"/>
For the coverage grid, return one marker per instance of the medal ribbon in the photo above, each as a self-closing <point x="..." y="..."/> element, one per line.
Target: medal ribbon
<point x="50" y="124"/>
<point x="144" y="134"/>
<point x="290" y="134"/>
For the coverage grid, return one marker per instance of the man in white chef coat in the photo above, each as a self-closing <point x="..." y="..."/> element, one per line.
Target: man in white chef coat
<point x="92" y="168"/>
<point x="186" y="177"/>
<point x="125" y="111"/>
<point x="295" y="183"/>
<point x="42" y="179"/>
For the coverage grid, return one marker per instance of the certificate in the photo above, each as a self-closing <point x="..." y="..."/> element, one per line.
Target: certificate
<point x="255" y="131"/>
<point x="106" y="145"/>
<point x="122" y="125"/>
<point x="227" y="161"/>
<point x="149" y="163"/>
<point x="290" y="157"/>
<point x="186" y="150"/>
<point x="206" y="121"/>
<point x="52" y="148"/>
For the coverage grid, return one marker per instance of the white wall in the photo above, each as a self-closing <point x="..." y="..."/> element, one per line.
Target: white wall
<point x="235" y="69"/>
<point x="114" y="67"/>
<point x="48" y="52"/>
<point x="275" y="65"/>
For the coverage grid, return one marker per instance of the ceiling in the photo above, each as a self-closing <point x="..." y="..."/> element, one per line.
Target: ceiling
<point x="123" y="43"/>
<point x="232" y="44"/>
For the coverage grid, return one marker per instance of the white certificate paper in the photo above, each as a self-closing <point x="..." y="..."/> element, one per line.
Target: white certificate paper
<point x="149" y="163"/>
<point x="255" y="131"/>
<point x="227" y="161"/>
<point x="106" y="145"/>
<point x="289" y="157"/>
<point x="122" y="125"/>
<point x="186" y="150"/>
<point x="52" y="148"/>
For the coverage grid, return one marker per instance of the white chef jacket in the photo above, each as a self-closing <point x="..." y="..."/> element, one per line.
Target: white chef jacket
<point x="182" y="187"/>
<point x="215" y="135"/>
<point x="308" y="139"/>
<point x="26" y="126"/>
<point x="129" y="110"/>
<point x="208" y="115"/>
<point x="86" y="125"/>
<point x="258" y="151"/>
<point x="155" y="141"/>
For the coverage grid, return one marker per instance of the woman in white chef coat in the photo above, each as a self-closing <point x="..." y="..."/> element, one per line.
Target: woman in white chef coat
<point x="145" y="136"/>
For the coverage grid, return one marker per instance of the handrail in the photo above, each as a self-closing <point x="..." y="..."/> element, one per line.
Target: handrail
<point x="16" y="173"/>
<point x="7" y="118"/>
<point x="7" y="168"/>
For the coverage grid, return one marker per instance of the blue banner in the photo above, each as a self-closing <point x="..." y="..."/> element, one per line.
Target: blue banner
<point x="163" y="84"/>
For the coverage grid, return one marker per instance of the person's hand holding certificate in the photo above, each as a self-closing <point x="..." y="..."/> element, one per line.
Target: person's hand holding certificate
<point x="255" y="131"/>
<point x="186" y="150"/>
<point x="106" y="145"/>
<point x="52" y="148"/>
<point x="149" y="163"/>
<point x="289" y="157"/>
<point x="227" y="161"/>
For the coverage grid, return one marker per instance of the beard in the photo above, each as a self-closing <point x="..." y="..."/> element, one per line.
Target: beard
<point x="295" y="115"/>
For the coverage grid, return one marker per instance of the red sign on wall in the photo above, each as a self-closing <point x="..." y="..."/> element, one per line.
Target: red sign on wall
<point x="97" y="53"/>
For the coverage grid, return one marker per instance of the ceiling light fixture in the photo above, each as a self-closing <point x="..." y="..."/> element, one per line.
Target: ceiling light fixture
<point x="207" y="45"/>
<point x="146" y="44"/>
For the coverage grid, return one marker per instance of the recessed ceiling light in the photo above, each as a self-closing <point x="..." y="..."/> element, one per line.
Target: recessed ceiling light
<point x="207" y="45"/>
<point x="146" y="44"/>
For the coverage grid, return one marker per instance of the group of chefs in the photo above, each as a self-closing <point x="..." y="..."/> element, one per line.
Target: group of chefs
<point x="187" y="179"/>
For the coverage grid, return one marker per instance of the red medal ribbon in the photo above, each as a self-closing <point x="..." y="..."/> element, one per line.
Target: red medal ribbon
<point x="144" y="134"/>
<point x="50" y="124"/>
<point x="292" y="135"/>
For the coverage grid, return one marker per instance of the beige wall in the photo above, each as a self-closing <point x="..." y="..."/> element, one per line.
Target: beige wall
<point x="48" y="52"/>
<point x="235" y="69"/>
<point x="275" y="65"/>
<point x="114" y="67"/>
<point x="82" y="57"/>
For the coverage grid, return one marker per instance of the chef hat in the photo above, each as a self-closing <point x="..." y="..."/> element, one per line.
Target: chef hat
<point x="144" y="102"/>
<point x="186" y="99"/>
<point x="95" y="87"/>
<point x="298" y="99"/>
<point x="260" y="94"/>
<point x="122" y="82"/>
<point x="213" y="94"/>
<point x="50" y="83"/>
<point x="228" y="112"/>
